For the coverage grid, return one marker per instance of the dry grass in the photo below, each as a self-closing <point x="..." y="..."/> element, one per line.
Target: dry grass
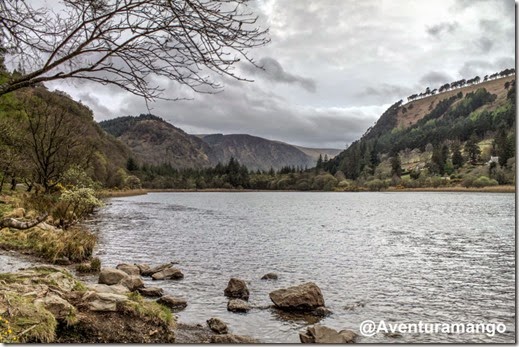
<point x="76" y="244"/>
<point x="122" y="193"/>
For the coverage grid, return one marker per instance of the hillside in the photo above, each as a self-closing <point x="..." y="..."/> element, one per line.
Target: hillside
<point x="256" y="152"/>
<point x="52" y="132"/>
<point x="155" y="141"/>
<point x="451" y="133"/>
<point x="413" y="111"/>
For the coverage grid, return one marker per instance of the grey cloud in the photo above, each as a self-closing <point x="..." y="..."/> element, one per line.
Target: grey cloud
<point x="440" y="28"/>
<point x="247" y="108"/>
<point x="271" y="69"/>
<point x="435" y="78"/>
<point x="485" y="44"/>
<point x="94" y="103"/>
<point x="481" y="67"/>
<point x="385" y="92"/>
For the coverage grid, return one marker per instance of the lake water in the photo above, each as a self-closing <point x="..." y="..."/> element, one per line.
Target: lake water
<point x="398" y="257"/>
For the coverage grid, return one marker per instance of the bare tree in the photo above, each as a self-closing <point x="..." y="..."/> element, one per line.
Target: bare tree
<point x="55" y="140"/>
<point x="129" y="43"/>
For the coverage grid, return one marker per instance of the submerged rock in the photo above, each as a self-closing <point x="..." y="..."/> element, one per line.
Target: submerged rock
<point x="217" y="325"/>
<point x="305" y="297"/>
<point x="238" y="305"/>
<point x="321" y="334"/>
<point x="237" y="289"/>
<point x="151" y="291"/>
<point x="171" y="273"/>
<point x="173" y="302"/>
<point x="322" y="311"/>
<point x="111" y="276"/>
<point x="270" y="276"/>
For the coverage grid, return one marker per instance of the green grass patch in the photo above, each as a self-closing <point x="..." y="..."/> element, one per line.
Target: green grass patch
<point x="149" y="309"/>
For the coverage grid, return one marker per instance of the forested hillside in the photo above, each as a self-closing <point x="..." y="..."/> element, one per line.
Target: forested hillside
<point x="453" y="138"/>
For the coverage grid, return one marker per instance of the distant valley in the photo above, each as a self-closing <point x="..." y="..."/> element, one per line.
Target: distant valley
<point x="154" y="141"/>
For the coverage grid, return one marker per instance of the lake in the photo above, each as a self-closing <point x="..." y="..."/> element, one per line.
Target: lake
<point x="402" y="257"/>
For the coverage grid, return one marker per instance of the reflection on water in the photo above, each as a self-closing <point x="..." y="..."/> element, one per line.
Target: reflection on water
<point x="401" y="257"/>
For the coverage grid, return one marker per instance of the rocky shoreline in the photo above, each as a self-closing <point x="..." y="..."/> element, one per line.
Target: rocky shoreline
<point x="53" y="305"/>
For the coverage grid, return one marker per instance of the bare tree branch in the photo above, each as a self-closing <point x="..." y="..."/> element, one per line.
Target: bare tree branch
<point x="129" y="43"/>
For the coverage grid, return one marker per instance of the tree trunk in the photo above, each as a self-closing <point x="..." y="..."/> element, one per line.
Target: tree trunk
<point x="16" y="224"/>
<point x="13" y="184"/>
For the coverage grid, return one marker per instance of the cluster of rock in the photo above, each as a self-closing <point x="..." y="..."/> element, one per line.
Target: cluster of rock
<point x="115" y="283"/>
<point x="304" y="298"/>
<point x="238" y="294"/>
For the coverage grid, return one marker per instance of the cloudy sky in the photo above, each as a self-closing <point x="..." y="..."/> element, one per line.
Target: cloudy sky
<point x="334" y="66"/>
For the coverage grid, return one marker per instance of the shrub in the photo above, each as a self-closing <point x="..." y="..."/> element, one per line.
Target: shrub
<point x="376" y="185"/>
<point x="484" y="181"/>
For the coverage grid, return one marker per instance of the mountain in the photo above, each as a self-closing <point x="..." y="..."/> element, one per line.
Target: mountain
<point x="256" y="152"/>
<point x="155" y="141"/>
<point x="416" y="132"/>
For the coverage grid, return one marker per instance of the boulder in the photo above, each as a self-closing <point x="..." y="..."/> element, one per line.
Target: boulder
<point x="143" y="268"/>
<point x="132" y="283"/>
<point x="238" y="305"/>
<point x="231" y="338"/>
<point x="151" y="292"/>
<point x="173" y="302"/>
<point x="156" y="269"/>
<point x="321" y="334"/>
<point x="305" y="297"/>
<point x="168" y="274"/>
<point x="132" y="270"/>
<point x="111" y="276"/>
<point x="217" y="325"/>
<point x="113" y="289"/>
<point x="237" y="289"/>
<point x="60" y="308"/>
<point x="270" y="276"/>
<point x="104" y="302"/>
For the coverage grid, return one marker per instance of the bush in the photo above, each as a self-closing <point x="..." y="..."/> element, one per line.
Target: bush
<point x="376" y="185"/>
<point x="484" y="181"/>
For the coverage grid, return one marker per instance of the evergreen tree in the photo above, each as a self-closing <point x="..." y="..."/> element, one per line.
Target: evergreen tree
<point x="396" y="166"/>
<point x="457" y="158"/>
<point x="472" y="149"/>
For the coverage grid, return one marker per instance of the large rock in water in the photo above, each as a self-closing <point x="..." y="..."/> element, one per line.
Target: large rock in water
<point x="111" y="276"/>
<point x="238" y="305"/>
<point x="132" y="270"/>
<point x="237" y="289"/>
<point x="151" y="291"/>
<point x="173" y="302"/>
<point x="321" y="334"/>
<point x="168" y="274"/>
<point x="304" y="297"/>
<point x="155" y="269"/>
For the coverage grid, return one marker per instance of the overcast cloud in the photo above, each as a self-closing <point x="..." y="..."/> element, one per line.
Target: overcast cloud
<point x="333" y="67"/>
